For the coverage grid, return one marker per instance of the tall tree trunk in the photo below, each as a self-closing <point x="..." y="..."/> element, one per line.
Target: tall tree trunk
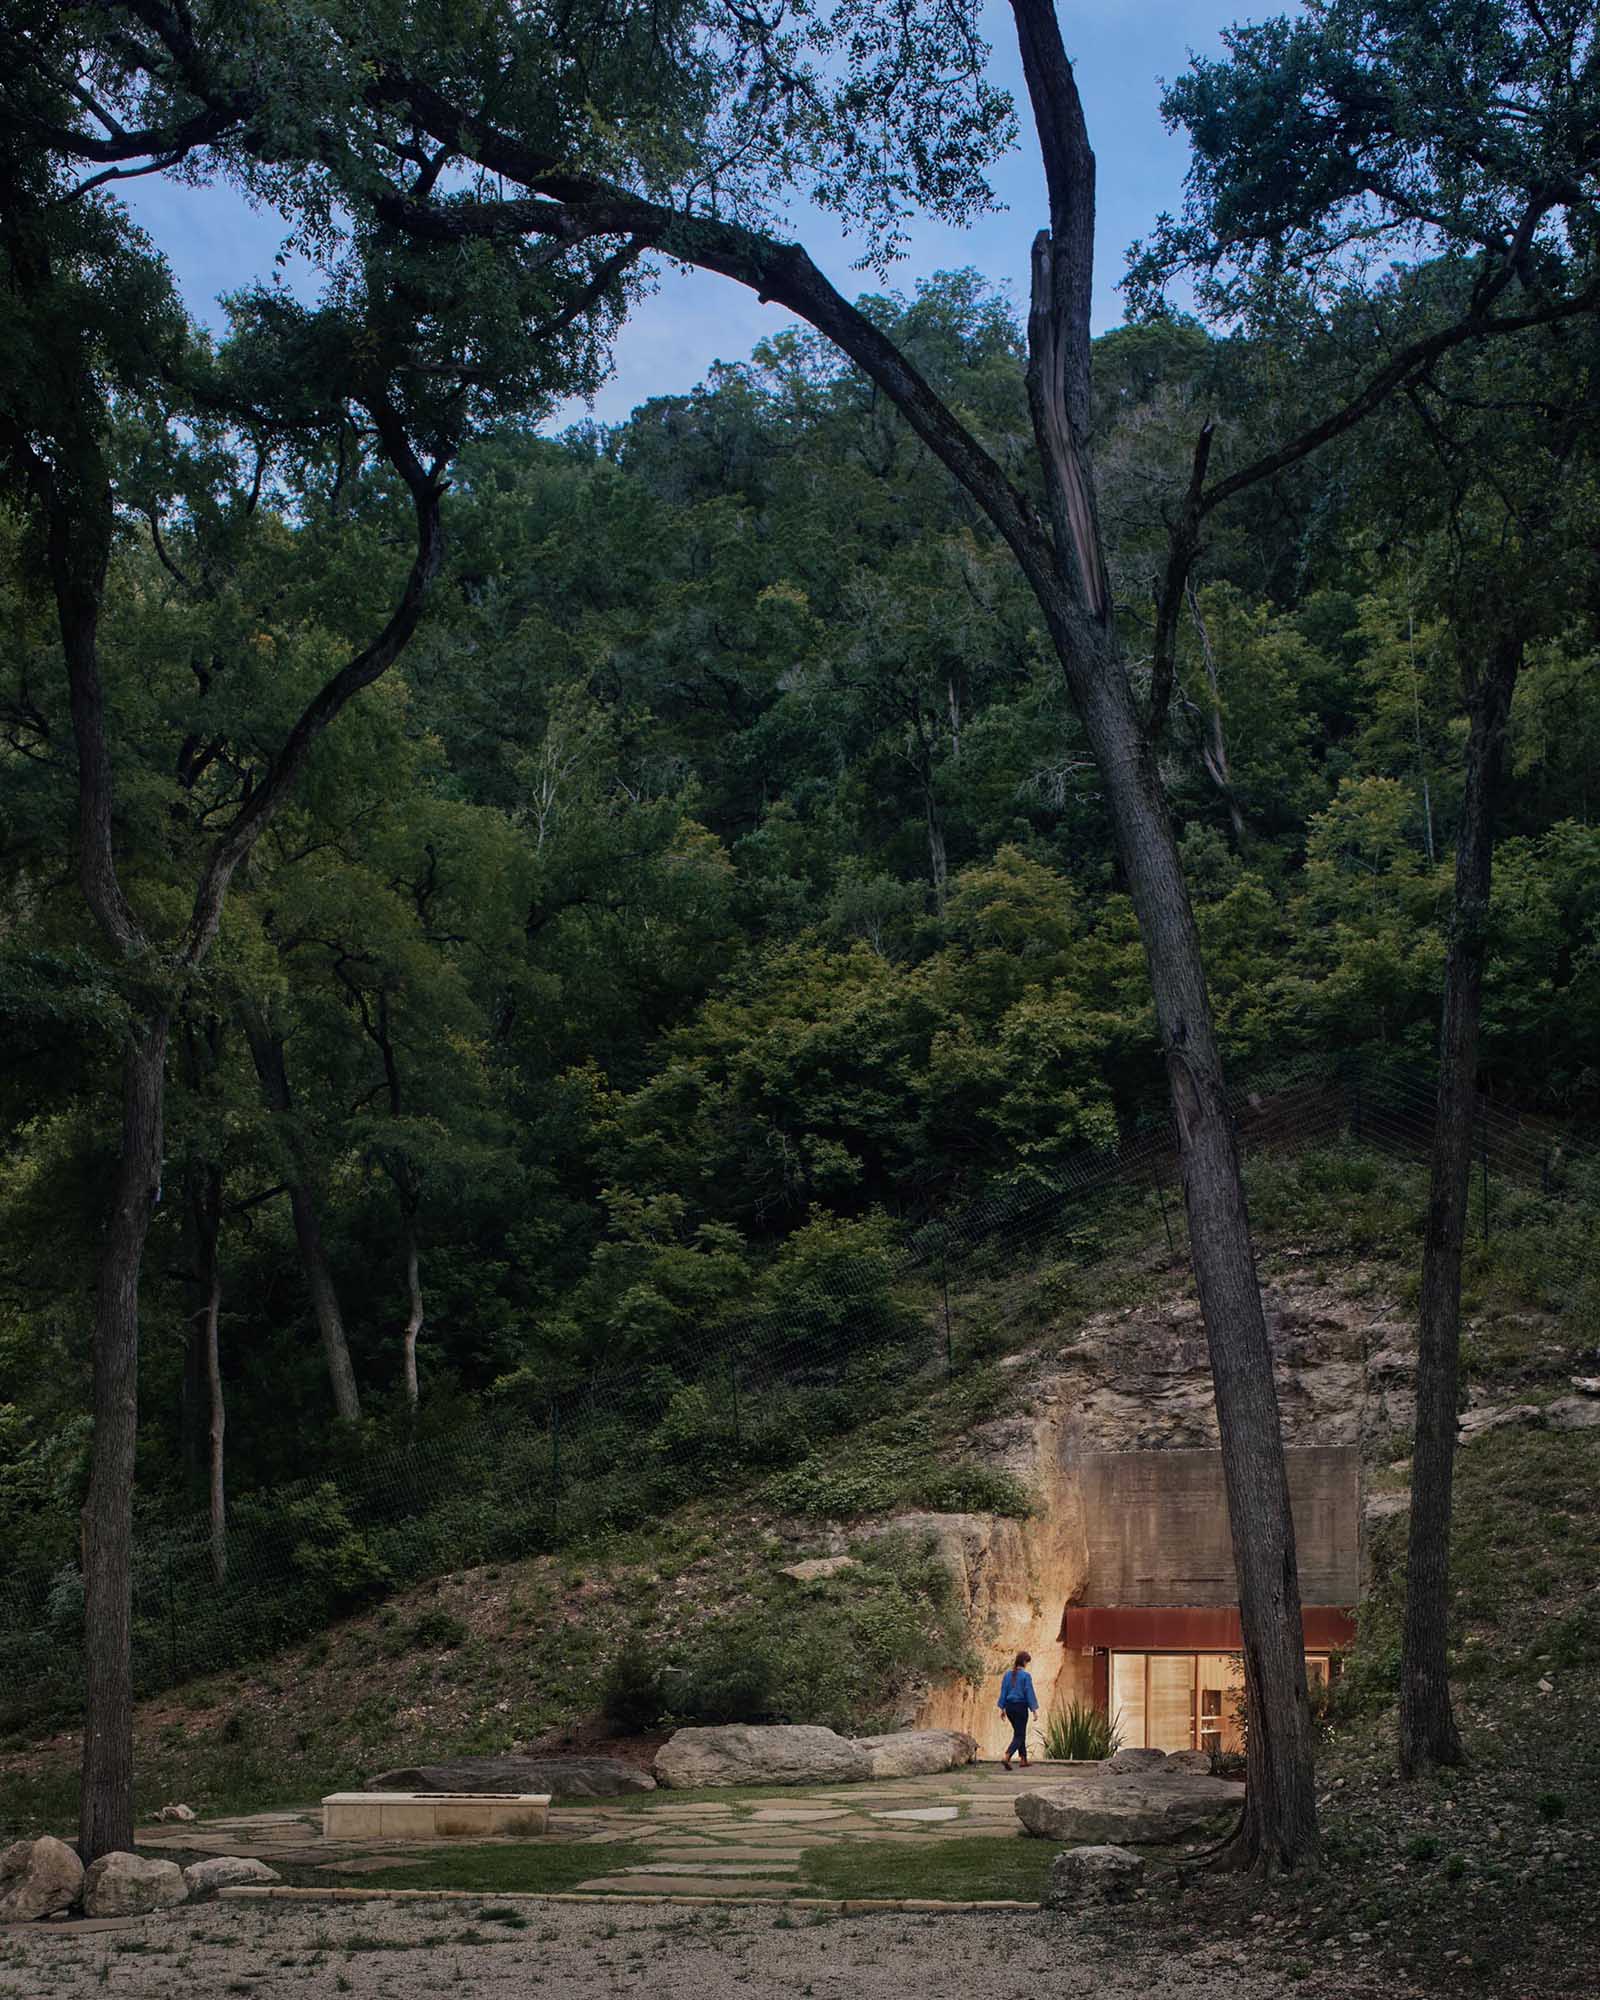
<point x="1428" y="1733"/>
<point x="205" y="1202"/>
<point x="1279" y="1826"/>
<point x="1213" y="737"/>
<point x="1279" y="1829"/>
<point x="105" y="1819"/>
<point x="414" y="1312"/>
<point x="266" y="1051"/>
<point x="937" y="863"/>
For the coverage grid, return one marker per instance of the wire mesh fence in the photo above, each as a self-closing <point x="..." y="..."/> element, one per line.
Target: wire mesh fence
<point x="625" y="1443"/>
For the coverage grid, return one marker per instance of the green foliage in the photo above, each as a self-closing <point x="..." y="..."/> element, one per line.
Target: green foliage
<point x="1079" y="1731"/>
<point x="633" y="1692"/>
<point x="329" y="1553"/>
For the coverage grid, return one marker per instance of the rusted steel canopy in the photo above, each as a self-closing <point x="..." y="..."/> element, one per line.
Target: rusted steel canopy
<point x="1191" y="1628"/>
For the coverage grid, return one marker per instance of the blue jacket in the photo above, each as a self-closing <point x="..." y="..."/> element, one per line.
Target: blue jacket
<point x="1018" y="1687"/>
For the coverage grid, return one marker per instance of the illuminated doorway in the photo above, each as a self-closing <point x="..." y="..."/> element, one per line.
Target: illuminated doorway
<point x="1185" y="1701"/>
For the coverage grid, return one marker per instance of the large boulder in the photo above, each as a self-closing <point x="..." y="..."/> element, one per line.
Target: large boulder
<point x="130" y="1885"/>
<point x="38" y="1878"/>
<point x="1092" y="1875"/>
<point x="746" y="1753"/>
<point x="1126" y="1809"/>
<point x="917" y="1753"/>
<point x="226" y="1871"/>
<point x="561" y="1777"/>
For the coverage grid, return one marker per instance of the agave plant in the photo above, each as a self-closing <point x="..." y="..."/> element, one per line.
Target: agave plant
<point x="1078" y="1732"/>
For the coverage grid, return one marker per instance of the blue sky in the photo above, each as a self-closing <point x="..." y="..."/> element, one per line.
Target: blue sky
<point x="215" y="243"/>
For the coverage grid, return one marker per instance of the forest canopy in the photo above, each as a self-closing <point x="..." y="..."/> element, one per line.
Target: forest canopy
<point x="719" y="882"/>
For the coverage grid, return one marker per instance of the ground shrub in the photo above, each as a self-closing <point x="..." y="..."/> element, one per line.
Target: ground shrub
<point x="633" y="1692"/>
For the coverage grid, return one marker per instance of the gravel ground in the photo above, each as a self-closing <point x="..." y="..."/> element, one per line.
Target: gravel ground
<point x="420" y="1950"/>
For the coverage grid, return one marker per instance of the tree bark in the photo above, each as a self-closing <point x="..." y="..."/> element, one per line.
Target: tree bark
<point x="106" y="1802"/>
<point x="1428" y="1732"/>
<point x="266" y="1051"/>
<point x="414" y="1313"/>
<point x="1279" y="1828"/>
<point x="205" y="1203"/>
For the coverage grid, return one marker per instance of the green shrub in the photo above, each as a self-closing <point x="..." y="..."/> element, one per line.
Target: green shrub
<point x="437" y="1628"/>
<point x="1078" y="1732"/>
<point x="330" y="1553"/>
<point x="731" y="1678"/>
<point x="633" y="1695"/>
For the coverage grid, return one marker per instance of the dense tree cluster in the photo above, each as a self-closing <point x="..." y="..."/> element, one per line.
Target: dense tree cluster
<point x="723" y="872"/>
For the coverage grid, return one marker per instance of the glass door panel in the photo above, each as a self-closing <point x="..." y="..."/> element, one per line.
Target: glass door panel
<point x="1171" y="1709"/>
<point x="1127" y="1698"/>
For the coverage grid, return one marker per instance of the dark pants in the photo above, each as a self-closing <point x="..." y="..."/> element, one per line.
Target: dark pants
<point x="1017" y="1716"/>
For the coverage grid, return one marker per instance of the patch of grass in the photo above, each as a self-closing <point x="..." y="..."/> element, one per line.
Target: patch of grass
<point x="957" y="1871"/>
<point x="544" y="1867"/>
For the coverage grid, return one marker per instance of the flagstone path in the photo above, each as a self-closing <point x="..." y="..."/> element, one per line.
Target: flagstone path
<point x="752" y="1843"/>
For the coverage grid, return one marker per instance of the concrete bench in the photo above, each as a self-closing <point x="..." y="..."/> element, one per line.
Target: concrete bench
<point x="433" y="1815"/>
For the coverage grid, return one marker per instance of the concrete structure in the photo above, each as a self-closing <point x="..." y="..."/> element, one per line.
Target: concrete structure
<point x="433" y="1815"/>
<point x="1157" y="1622"/>
<point x="1113" y="1431"/>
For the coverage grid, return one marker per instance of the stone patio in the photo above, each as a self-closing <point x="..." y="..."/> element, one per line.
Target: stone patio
<point x="751" y="1844"/>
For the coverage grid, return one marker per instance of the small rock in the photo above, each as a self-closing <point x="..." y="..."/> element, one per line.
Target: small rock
<point x="129" y="1885"/>
<point x="1547" y="1687"/>
<point x="1586" y="1385"/>
<point x="1125" y="1761"/>
<point x="1092" y="1874"/>
<point x="1197" y="1762"/>
<point x="176" y="1812"/>
<point x="817" y="1567"/>
<point x="225" y="1871"/>
<point x="38" y="1878"/>
<point x="1573" y="1413"/>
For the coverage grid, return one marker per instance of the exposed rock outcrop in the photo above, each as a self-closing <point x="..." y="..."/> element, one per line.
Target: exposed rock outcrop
<point x="38" y="1878"/>
<point x="744" y="1753"/>
<point x="129" y="1885"/>
<point x="226" y="1871"/>
<point x="1092" y="1875"/>
<point x="917" y="1753"/>
<point x="1132" y="1808"/>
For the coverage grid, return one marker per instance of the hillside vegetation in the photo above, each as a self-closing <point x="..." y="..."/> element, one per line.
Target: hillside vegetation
<point x="1488" y="1870"/>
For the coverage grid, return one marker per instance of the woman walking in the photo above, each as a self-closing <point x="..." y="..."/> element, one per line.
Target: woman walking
<point x="1017" y="1703"/>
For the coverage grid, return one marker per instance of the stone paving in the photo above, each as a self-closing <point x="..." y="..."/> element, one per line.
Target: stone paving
<point x="751" y="1844"/>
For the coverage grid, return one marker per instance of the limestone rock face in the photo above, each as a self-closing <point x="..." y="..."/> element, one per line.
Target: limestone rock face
<point x="917" y="1753"/>
<point x="38" y="1878"/>
<point x="1132" y="1808"/>
<point x="561" y="1777"/>
<point x="225" y="1871"/>
<point x="1572" y="1413"/>
<point x="1092" y="1874"/>
<point x="128" y="1885"/>
<point x="746" y="1753"/>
